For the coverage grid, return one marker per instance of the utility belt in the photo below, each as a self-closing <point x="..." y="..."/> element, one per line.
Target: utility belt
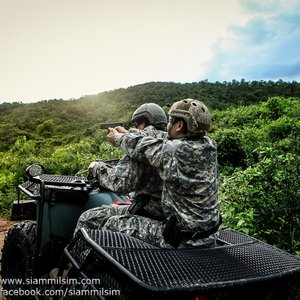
<point x="137" y="208"/>
<point x="174" y="236"/>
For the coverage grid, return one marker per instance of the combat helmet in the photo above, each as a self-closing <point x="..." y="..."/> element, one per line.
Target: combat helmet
<point x="153" y="113"/>
<point x="194" y="112"/>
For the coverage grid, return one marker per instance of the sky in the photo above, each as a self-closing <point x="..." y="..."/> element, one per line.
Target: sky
<point x="65" y="49"/>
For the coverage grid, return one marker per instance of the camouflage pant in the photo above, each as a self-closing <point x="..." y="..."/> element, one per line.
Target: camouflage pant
<point x="95" y="218"/>
<point x="117" y="218"/>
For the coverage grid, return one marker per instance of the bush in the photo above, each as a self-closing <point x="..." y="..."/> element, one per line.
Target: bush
<point x="263" y="200"/>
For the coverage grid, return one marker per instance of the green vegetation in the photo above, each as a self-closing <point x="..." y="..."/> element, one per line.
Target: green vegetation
<point x="259" y="148"/>
<point x="256" y="126"/>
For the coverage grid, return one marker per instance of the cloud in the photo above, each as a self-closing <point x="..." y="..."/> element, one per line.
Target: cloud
<point x="282" y="70"/>
<point x="64" y="49"/>
<point x="265" y="48"/>
<point x="258" y="6"/>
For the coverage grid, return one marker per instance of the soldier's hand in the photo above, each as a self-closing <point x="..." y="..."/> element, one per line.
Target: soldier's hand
<point x="95" y="168"/>
<point x="111" y="137"/>
<point x="94" y="172"/>
<point x="91" y="166"/>
<point x="121" y="129"/>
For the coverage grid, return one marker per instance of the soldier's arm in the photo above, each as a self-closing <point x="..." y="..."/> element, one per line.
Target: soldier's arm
<point x="120" y="178"/>
<point x="143" y="148"/>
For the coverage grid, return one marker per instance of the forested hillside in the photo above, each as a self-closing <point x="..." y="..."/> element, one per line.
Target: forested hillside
<point x="61" y="121"/>
<point x="256" y="126"/>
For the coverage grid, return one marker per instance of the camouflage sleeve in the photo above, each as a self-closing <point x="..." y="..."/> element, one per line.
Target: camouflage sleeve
<point x="144" y="148"/>
<point x="121" y="178"/>
<point x="137" y="133"/>
<point x="152" y="131"/>
<point x="148" y="131"/>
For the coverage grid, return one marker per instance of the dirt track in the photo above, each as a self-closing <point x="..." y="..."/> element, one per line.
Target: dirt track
<point x="5" y="224"/>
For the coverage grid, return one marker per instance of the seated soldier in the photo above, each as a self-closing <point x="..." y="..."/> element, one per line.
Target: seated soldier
<point x="187" y="164"/>
<point x="130" y="175"/>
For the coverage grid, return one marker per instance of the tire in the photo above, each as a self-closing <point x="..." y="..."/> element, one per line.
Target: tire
<point x="17" y="258"/>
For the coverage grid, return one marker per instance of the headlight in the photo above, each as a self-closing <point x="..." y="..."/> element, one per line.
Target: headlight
<point x="34" y="170"/>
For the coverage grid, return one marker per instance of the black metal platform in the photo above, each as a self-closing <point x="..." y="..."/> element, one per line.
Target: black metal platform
<point x="240" y="267"/>
<point x="56" y="182"/>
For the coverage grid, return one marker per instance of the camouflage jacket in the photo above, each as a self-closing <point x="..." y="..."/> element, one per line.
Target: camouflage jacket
<point x="130" y="175"/>
<point x="189" y="171"/>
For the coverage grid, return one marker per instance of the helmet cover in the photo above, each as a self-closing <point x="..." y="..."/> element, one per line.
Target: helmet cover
<point x="194" y="112"/>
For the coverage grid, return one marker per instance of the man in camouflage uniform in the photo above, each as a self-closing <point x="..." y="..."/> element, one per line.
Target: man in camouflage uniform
<point x="187" y="164"/>
<point x="130" y="175"/>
